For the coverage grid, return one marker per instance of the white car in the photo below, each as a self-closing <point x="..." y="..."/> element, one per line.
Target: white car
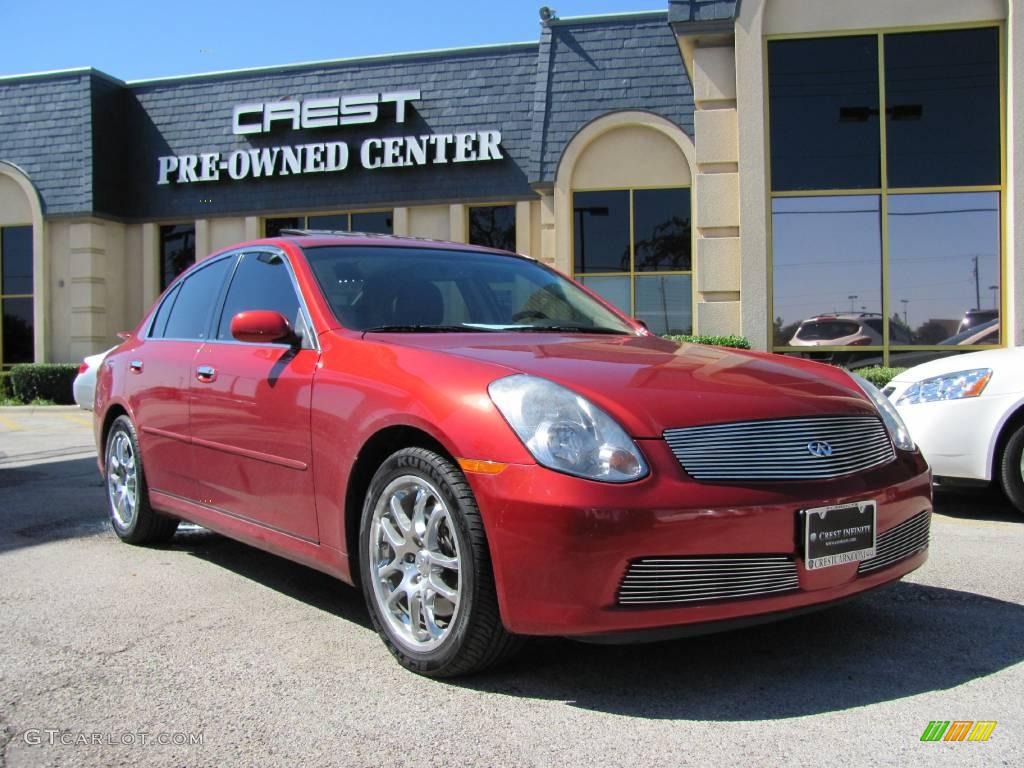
<point x="84" y="386"/>
<point x="966" y="413"/>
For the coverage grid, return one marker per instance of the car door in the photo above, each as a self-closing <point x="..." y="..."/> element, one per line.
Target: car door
<point x="157" y="382"/>
<point x="250" y="406"/>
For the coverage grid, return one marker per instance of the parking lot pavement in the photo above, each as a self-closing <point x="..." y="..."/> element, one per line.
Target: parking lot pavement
<point x="108" y="649"/>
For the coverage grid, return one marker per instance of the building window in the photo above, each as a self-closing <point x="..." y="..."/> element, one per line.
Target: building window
<point x="177" y="251"/>
<point x="633" y="248"/>
<point x="16" y="320"/>
<point x="886" y="220"/>
<point x="376" y="222"/>
<point x="493" y="226"/>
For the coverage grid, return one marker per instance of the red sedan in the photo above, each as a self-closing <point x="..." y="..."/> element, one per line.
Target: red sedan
<point x="491" y="451"/>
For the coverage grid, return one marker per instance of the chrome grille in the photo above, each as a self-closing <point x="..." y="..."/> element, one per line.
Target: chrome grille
<point x="666" y="580"/>
<point x="778" y="450"/>
<point x="905" y="539"/>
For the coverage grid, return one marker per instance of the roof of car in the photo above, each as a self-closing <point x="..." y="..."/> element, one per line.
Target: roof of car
<point x="320" y="237"/>
<point x="842" y="316"/>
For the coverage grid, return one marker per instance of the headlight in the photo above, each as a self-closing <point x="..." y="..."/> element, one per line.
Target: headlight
<point x="950" y="386"/>
<point x="565" y="431"/>
<point x="892" y="420"/>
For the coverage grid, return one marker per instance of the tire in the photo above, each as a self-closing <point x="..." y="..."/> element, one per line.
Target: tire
<point x="131" y="516"/>
<point x="423" y="551"/>
<point x="1011" y="469"/>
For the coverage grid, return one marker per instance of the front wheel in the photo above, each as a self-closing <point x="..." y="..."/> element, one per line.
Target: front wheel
<point x="1012" y="469"/>
<point x="425" y="568"/>
<point x="131" y="516"/>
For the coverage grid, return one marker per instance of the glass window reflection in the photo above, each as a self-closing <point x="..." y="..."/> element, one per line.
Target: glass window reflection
<point x="824" y="113"/>
<point x="661" y="230"/>
<point x="16" y="266"/>
<point x="827" y="267"/>
<point x="601" y="231"/>
<point x="493" y="226"/>
<point x="942" y="108"/>
<point x="614" y="290"/>
<point x="663" y="302"/>
<point x="944" y="267"/>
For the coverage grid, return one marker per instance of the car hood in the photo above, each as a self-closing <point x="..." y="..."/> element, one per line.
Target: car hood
<point x="650" y="384"/>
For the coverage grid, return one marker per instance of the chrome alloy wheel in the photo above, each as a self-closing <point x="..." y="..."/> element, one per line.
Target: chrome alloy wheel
<point x="122" y="479"/>
<point x="414" y="563"/>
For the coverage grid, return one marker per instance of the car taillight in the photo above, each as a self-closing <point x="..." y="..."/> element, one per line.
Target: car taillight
<point x="83" y="367"/>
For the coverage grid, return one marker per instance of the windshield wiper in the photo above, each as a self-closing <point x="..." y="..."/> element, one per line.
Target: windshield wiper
<point x="569" y="329"/>
<point x="422" y="328"/>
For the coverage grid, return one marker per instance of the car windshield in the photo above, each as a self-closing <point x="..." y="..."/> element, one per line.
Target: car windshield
<point x="407" y="290"/>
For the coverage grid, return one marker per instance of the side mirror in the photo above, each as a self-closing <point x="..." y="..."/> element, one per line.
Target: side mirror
<point x="262" y="326"/>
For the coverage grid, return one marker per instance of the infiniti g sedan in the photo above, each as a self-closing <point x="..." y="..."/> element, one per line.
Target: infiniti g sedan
<point x="489" y="451"/>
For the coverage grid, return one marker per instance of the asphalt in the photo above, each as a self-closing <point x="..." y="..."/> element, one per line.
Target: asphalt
<point x="108" y="648"/>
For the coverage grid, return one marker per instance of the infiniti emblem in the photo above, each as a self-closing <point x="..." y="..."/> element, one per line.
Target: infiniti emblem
<point x="819" y="448"/>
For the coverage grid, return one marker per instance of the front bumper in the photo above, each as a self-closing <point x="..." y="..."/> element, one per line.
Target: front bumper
<point x="560" y="545"/>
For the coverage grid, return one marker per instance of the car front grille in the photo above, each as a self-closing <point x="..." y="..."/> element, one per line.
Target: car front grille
<point x="782" y="449"/>
<point x="904" y="540"/>
<point x="668" y="580"/>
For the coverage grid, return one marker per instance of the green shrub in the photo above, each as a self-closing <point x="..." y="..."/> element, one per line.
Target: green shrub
<point x="44" y="381"/>
<point x="878" y="375"/>
<point x="736" y="342"/>
<point x="5" y="385"/>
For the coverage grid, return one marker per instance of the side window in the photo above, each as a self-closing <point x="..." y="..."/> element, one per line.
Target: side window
<point x="198" y="293"/>
<point x="260" y="282"/>
<point x="158" y="328"/>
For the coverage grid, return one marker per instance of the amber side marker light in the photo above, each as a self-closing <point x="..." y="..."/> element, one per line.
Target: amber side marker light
<point x="482" y="467"/>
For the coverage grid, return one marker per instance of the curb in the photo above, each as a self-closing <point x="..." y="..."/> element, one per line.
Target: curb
<point x="33" y="409"/>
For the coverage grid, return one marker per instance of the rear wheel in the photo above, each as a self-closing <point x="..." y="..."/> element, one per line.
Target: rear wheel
<point x="426" y="570"/>
<point x="1012" y="469"/>
<point x="131" y="516"/>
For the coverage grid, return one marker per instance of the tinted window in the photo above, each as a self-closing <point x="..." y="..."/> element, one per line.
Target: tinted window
<point x="16" y="265"/>
<point x="159" y="326"/>
<point x="493" y="226"/>
<point x="378" y="222"/>
<point x="337" y="222"/>
<point x="17" y="341"/>
<point x="942" y="108"/>
<point x="661" y="229"/>
<point x="262" y="281"/>
<point x="273" y="227"/>
<point x="824" y="113"/>
<point x="601" y="231"/>
<point x="177" y="251"/>
<point x="190" y="314"/>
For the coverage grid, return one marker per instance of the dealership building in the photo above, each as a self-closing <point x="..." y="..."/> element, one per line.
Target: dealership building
<point x="829" y="177"/>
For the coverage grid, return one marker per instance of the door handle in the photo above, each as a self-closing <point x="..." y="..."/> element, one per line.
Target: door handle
<point x="135" y="366"/>
<point x="206" y="373"/>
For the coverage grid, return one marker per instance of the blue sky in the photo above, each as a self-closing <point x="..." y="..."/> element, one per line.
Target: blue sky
<point x="143" y="39"/>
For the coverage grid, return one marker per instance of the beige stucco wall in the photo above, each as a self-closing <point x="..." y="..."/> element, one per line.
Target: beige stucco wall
<point x="798" y="16"/>
<point x="763" y="17"/>
<point x="632" y="156"/>
<point x="225" y="232"/>
<point x="14" y="207"/>
<point x="431" y="221"/>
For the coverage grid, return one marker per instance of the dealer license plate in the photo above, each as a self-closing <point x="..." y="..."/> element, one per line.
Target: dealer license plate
<point x="839" y="534"/>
